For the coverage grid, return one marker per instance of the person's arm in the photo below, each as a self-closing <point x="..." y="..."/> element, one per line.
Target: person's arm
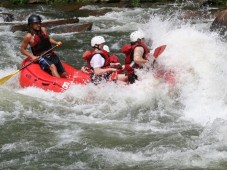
<point x="138" y="56"/>
<point x="115" y="65"/>
<point x="97" y="62"/>
<point x="24" y="45"/>
<point x="99" y="70"/>
<point x="52" y="41"/>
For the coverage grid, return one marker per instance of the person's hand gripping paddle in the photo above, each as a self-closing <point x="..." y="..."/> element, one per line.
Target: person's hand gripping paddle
<point x="4" y="79"/>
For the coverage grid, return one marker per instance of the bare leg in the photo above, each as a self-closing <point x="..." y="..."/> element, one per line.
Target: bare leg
<point x="64" y="75"/>
<point x="122" y="79"/>
<point x="54" y="71"/>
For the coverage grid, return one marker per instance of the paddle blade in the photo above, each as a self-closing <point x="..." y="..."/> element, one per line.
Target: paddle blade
<point x="4" y="79"/>
<point x="113" y="76"/>
<point x="159" y="51"/>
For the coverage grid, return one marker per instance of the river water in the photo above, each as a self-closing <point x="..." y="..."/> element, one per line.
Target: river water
<point x="147" y="125"/>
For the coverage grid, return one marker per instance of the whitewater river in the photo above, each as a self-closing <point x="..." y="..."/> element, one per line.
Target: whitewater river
<point x="148" y="125"/>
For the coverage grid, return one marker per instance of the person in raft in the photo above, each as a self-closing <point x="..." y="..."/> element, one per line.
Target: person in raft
<point x="98" y="63"/>
<point x="40" y="42"/>
<point x="114" y="62"/>
<point x="136" y="55"/>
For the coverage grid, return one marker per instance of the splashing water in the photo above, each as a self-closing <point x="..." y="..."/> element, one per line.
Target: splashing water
<point x="141" y="126"/>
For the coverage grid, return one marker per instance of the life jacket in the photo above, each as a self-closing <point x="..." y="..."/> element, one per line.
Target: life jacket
<point x="87" y="56"/>
<point x="41" y="43"/>
<point x="128" y="50"/>
<point x="113" y="59"/>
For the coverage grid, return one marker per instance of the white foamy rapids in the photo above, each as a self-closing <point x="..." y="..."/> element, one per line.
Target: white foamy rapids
<point x="119" y="19"/>
<point x="108" y="101"/>
<point x="9" y="51"/>
<point x="198" y="58"/>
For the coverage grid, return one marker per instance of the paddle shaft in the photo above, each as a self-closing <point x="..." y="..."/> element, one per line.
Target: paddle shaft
<point x="6" y="78"/>
<point x="39" y="57"/>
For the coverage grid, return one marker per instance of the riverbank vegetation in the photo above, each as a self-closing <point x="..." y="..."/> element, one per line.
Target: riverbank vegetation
<point x="211" y="2"/>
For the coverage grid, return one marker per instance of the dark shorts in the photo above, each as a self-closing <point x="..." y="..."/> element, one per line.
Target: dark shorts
<point x="96" y="79"/>
<point x="46" y="61"/>
<point x="132" y="78"/>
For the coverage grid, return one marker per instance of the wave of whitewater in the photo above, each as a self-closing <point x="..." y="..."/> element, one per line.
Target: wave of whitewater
<point x="195" y="54"/>
<point x="198" y="101"/>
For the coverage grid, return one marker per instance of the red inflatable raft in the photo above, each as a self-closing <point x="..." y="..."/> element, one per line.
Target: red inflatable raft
<point x="33" y="75"/>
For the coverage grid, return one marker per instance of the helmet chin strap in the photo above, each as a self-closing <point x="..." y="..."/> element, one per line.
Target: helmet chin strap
<point x="139" y="41"/>
<point x="97" y="46"/>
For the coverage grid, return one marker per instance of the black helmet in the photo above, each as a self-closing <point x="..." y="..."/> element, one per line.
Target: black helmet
<point x="34" y="18"/>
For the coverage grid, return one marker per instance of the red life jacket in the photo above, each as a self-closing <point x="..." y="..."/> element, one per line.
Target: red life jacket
<point x="87" y="56"/>
<point x="128" y="50"/>
<point x="113" y="59"/>
<point x="41" y="43"/>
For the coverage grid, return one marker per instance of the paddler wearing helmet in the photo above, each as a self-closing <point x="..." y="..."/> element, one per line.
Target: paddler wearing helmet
<point x="40" y="42"/>
<point x="136" y="54"/>
<point x="99" y="62"/>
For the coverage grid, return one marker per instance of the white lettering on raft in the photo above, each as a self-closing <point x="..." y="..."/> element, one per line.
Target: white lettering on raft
<point x="65" y="85"/>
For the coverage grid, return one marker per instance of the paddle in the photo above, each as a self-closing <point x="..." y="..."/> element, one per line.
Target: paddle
<point x="158" y="51"/>
<point x="4" y="79"/>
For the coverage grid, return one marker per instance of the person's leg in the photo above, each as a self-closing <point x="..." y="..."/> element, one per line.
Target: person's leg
<point x="59" y="67"/>
<point x="61" y="70"/>
<point x="132" y="78"/>
<point x="122" y="79"/>
<point x="54" y="71"/>
<point x="47" y="65"/>
<point x="64" y="75"/>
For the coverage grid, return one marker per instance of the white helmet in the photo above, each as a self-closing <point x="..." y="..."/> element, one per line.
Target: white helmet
<point x="134" y="36"/>
<point x="97" y="40"/>
<point x="106" y="48"/>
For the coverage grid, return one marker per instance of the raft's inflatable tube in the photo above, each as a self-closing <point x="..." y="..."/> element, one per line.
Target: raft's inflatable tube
<point x="33" y="75"/>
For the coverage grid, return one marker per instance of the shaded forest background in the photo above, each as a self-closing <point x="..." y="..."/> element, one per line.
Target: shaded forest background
<point x="134" y="2"/>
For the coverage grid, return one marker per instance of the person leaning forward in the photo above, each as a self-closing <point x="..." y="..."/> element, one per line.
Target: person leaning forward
<point x="98" y="61"/>
<point x="114" y="62"/>
<point x="40" y="42"/>
<point x="136" y="55"/>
